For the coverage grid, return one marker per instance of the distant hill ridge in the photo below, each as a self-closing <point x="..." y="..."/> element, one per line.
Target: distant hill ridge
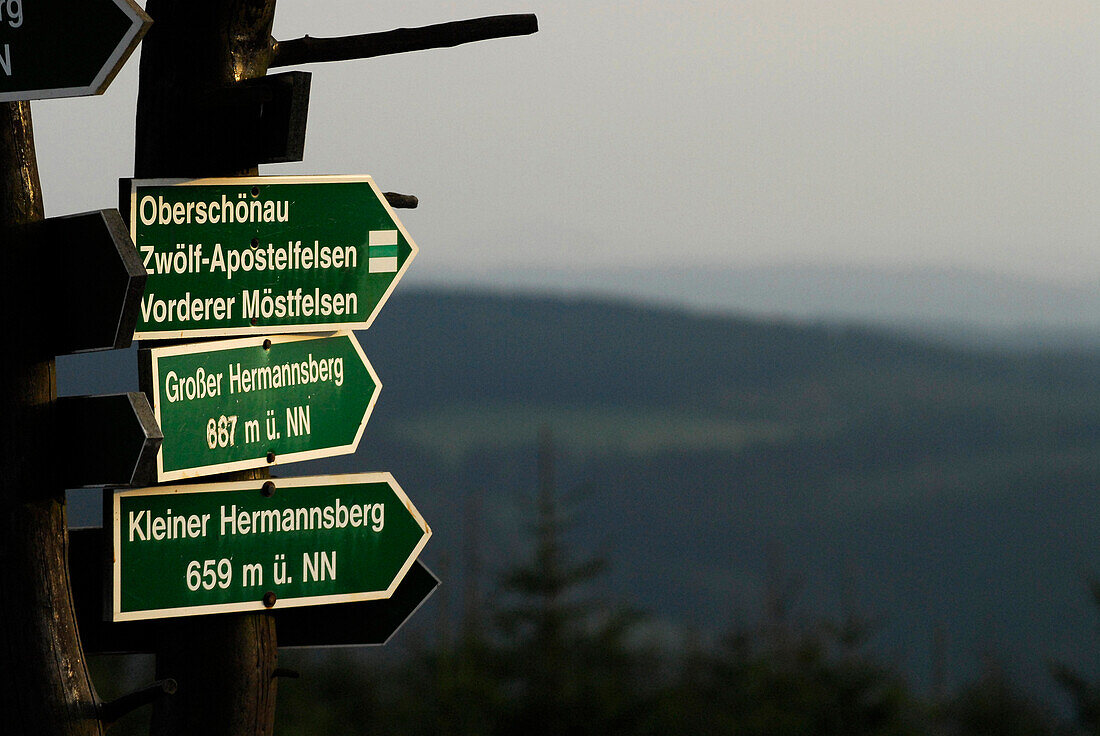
<point x="931" y="484"/>
<point x="955" y="303"/>
<point x="473" y="347"/>
<point x="922" y="484"/>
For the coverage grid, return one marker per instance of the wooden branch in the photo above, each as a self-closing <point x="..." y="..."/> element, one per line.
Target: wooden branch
<point x="111" y="712"/>
<point x="309" y="50"/>
<point x="401" y="201"/>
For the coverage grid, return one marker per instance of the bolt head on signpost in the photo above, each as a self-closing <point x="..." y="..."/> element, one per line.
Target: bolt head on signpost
<point x="264" y="255"/>
<point x="253" y="402"/>
<point x="52" y="48"/>
<point x="224" y="547"/>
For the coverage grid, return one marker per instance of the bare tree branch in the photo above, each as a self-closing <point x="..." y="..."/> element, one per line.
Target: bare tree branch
<point x="309" y="50"/>
<point x="401" y="201"/>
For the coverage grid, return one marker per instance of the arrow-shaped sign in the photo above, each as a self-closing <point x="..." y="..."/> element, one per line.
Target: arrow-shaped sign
<point x="363" y="623"/>
<point x="102" y="265"/>
<point x="257" y="401"/>
<point x="89" y="255"/>
<point x="264" y="255"/>
<point x="367" y="623"/>
<point x="52" y="48"/>
<point x="259" y="544"/>
<point x="112" y="440"/>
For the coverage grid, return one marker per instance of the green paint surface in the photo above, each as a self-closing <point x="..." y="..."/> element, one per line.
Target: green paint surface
<point x="301" y="542"/>
<point x="235" y="401"/>
<point x="259" y="255"/>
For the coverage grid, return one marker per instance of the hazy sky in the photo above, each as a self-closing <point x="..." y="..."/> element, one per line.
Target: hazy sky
<point x="656" y="134"/>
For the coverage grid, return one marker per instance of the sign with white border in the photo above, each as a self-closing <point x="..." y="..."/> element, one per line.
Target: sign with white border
<point x="230" y="405"/>
<point x="50" y="48"/>
<point x="185" y="550"/>
<point x="264" y="254"/>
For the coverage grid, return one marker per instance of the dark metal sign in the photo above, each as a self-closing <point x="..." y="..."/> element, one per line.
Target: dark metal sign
<point x="53" y="48"/>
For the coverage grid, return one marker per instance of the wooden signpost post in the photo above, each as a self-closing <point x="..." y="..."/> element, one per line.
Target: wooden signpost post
<point x="44" y="684"/>
<point x="314" y="254"/>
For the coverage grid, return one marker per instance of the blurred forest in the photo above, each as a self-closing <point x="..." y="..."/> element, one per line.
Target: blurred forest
<point x="544" y="654"/>
<point x="739" y="526"/>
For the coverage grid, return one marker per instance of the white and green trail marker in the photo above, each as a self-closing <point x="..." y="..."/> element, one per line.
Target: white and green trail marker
<point x="258" y="544"/>
<point x="264" y="255"/>
<point x="253" y="402"/>
<point x="52" y="48"/>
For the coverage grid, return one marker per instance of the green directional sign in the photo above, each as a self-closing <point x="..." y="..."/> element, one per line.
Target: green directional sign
<point x="264" y="255"/>
<point x="54" y="48"/>
<point x="254" y="545"/>
<point x="253" y="402"/>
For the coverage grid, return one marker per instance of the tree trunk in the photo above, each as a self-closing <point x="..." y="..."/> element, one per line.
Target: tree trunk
<point x="224" y="665"/>
<point x="44" y="683"/>
<point x="193" y="48"/>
